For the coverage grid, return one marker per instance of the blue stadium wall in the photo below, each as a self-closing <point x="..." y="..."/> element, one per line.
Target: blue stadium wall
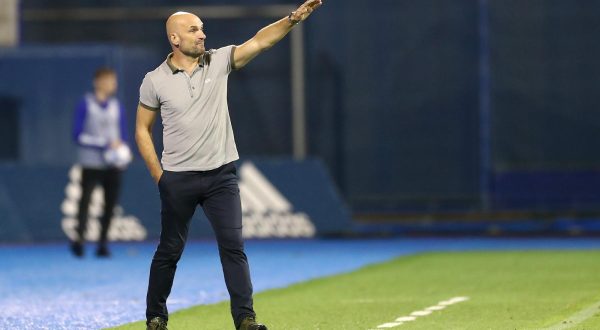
<point x="394" y="97"/>
<point x="38" y="203"/>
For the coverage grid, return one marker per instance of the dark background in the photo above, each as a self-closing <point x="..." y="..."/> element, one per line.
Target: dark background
<point x="416" y="107"/>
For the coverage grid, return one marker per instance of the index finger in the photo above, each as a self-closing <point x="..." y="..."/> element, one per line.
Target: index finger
<point x="313" y="3"/>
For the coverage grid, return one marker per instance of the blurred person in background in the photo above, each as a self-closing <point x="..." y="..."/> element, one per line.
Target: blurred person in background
<point x="100" y="131"/>
<point x="189" y="91"/>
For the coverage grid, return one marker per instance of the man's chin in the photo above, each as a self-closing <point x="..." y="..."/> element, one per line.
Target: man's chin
<point x="194" y="53"/>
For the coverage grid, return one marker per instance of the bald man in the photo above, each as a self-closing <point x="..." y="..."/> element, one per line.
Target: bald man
<point x="189" y="90"/>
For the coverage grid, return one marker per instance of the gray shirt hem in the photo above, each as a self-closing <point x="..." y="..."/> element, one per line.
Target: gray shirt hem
<point x="199" y="168"/>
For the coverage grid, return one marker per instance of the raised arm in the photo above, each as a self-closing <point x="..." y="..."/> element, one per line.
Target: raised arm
<point x="143" y="136"/>
<point x="271" y="34"/>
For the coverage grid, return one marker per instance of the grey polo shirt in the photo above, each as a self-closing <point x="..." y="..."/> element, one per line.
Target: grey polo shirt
<point x="197" y="133"/>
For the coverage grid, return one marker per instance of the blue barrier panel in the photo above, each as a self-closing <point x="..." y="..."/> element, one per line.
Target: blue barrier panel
<point x="280" y="199"/>
<point x="550" y="190"/>
<point x="29" y="202"/>
<point x="308" y="188"/>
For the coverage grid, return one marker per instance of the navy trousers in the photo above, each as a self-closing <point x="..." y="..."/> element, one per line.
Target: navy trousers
<point x="218" y="193"/>
<point x="110" y="180"/>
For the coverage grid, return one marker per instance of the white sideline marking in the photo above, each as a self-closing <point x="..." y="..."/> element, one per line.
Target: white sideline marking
<point x="420" y="313"/>
<point x="389" y="325"/>
<point x="576" y="318"/>
<point x="458" y="299"/>
<point x="441" y="305"/>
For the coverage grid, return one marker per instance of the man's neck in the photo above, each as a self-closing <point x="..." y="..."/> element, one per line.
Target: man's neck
<point x="186" y="63"/>
<point x="100" y="96"/>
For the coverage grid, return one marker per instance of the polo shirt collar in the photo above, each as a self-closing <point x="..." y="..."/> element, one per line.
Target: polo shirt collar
<point x="175" y="69"/>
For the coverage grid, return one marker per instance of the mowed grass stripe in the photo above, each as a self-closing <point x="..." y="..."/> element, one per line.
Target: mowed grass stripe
<point x="579" y="317"/>
<point x="507" y="290"/>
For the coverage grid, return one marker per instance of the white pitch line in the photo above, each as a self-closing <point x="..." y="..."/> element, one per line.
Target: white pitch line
<point x="420" y="313"/>
<point x="424" y="312"/>
<point x="576" y="318"/>
<point x="389" y="325"/>
<point x="459" y="299"/>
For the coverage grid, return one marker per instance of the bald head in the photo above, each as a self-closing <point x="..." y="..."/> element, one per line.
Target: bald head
<point x="185" y="33"/>
<point x="181" y="20"/>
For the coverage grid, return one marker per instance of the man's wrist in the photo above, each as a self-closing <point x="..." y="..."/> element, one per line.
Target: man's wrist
<point x="291" y="20"/>
<point x="156" y="175"/>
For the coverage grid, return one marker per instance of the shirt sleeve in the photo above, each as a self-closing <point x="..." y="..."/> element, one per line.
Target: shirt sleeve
<point x="222" y="59"/>
<point x="230" y="51"/>
<point x="148" y="96"/>
<point x="79" y="120"/>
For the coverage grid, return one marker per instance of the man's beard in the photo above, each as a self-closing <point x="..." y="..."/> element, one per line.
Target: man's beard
<point x="192" y="51"/>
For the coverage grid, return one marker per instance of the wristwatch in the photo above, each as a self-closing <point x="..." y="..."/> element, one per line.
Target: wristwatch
<point x="292" y="21"/>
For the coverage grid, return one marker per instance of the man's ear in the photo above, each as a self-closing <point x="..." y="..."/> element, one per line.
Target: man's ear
<point x="174" y="38"/>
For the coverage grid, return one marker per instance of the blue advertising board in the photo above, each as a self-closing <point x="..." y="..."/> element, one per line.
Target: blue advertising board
<point x="280" y="199"/>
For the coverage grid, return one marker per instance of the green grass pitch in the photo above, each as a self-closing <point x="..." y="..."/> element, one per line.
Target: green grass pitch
<point x="506" y="290"/>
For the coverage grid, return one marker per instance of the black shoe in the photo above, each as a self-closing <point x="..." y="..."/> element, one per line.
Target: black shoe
<point x="249" y="323"/>
<point x="77" y="249"/>
<point x="156" y="323"/>
<point x="102" y="252"/>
